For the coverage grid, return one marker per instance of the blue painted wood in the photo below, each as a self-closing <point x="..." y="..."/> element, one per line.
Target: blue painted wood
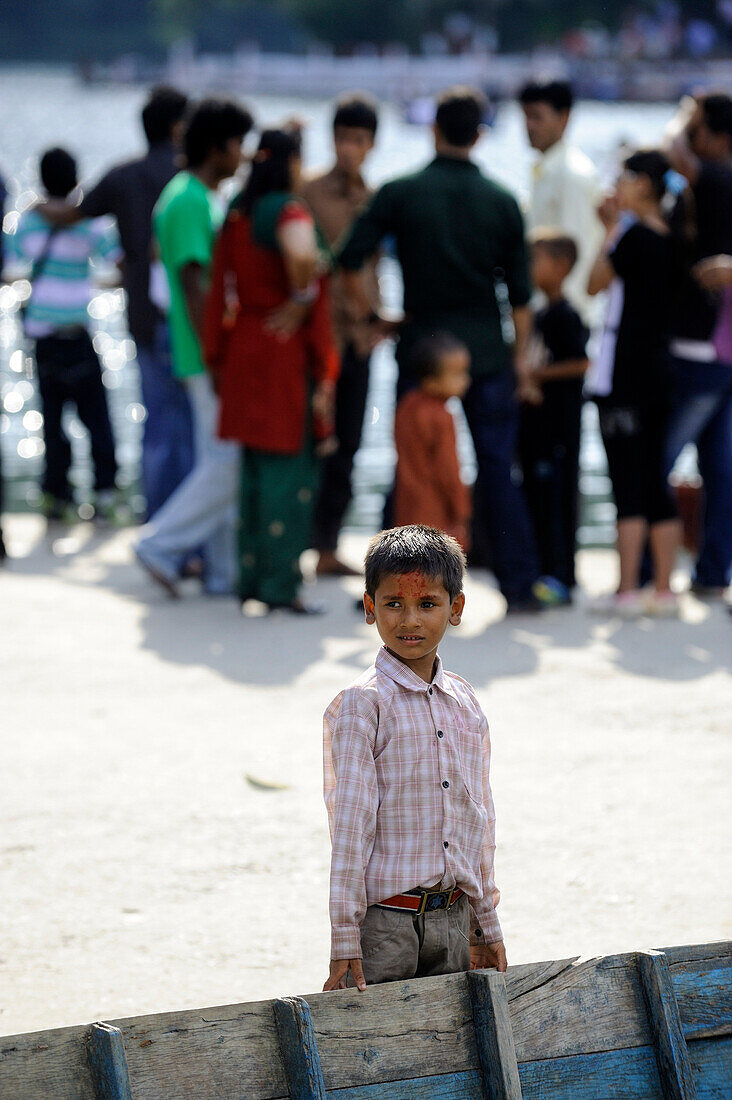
<point x="711" y="1060"/>
<point x="704" y="992"/>
<point x="455" y="1086"/>
<point x="299" y="1049"/>
<point x="493" y="1035"/>
<point x="613" y="1075"/>
<point x="674" y="1067"/>
<point x="105" y="1051"/>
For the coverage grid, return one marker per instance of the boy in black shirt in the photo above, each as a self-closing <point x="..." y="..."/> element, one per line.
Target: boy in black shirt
<point x="549" y="435"/>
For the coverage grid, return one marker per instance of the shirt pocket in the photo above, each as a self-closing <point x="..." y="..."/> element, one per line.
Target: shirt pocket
<point x="469" y="747"/>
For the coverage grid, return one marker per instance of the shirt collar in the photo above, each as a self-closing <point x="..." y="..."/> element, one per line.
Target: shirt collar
<point x="389" y="665"/>
<point x="554" y="154"/>
<point x="459" y="162"/>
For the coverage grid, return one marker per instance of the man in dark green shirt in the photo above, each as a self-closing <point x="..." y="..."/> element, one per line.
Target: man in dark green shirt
<point x="459" y="237"/>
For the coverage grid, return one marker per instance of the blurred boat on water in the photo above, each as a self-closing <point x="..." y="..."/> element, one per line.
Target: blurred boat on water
<point x="404" y="78"/>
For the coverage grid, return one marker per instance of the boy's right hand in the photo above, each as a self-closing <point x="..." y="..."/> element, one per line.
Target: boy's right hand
<point x="338" y="970"/>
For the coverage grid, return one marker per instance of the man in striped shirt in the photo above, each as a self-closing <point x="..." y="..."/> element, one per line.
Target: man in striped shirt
<point x="407" y="788"/>
<point x="59" y="262"/>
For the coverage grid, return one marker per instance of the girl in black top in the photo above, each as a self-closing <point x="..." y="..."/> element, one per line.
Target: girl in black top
<point x="642" y="263"/>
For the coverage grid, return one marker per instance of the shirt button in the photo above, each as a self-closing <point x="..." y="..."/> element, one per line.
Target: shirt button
<point x="429" y="691"/>
<point x="445" y="784"/>
<point x="440" y="733"/>
<point x="478" y="932"/>
<point x="445" y="844"/>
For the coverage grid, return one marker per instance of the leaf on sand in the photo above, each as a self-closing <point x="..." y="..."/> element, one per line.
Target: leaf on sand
<point x="262" y="785"/>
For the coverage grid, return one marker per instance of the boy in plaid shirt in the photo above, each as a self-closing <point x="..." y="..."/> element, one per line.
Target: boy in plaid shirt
<point x="406" y="764"/>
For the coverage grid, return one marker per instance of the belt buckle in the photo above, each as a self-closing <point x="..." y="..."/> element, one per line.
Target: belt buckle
<point x="442" y="901"/>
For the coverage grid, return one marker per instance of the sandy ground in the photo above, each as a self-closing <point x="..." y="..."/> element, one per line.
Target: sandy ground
<point x="142" y="871"/>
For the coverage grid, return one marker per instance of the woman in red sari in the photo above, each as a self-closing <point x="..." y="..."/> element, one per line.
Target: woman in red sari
<point x="268" y="343"/>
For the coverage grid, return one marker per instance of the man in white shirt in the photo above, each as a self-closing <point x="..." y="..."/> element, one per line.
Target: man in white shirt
<point x="565" y="188"/>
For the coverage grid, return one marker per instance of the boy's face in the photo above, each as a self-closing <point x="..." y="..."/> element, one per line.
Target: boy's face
<point x="453" y="379"/>
<point x="412" y="612"/>
<point x="352" y="145"/>
<point x="547" y="272"/>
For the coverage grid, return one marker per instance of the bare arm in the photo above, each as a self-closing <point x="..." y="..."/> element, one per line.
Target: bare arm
<point x="714" y="273"/>
<point x="194" y="294"/>
<point x="601" y="274"/>
<point x="523" y="321"/>
<point x="570" y="368"/>
<point x="676" y="141"/>
<point x="299" y="250"/>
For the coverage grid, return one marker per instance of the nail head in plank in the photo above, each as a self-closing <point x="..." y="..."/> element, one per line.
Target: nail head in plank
<point x="108" y="1063"/>
<point x="493" y="1034"/>
<point x="674" y="1066"/>
<point x="299" y="1049"/>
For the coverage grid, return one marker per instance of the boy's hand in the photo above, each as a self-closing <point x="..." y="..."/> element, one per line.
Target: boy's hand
<point x="338" y="970"/>
<point x="488" y="955"/>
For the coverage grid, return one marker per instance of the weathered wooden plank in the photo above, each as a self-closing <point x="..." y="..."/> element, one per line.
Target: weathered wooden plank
<point x="613" y="1075"/>
<point x="493" y="1035"/>
<point x="445" y="1086"/>
<point x="694" y="952"/>
<point x="704" y="991"/>
<point x="105" y="1050"/>
<point x="712" y="1063"/>
<point x="229" y="1051"/>
<point x="674" y="1067"/>
<point x="299" y="1049"/>
<point x="392" y="1032"/>
<point x="45" y="1064"/>
<point x="587" y="1006"/>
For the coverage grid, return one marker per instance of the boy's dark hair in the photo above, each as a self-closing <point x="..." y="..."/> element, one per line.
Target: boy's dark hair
<point x="211" y="124"/>
<point x="717" y="110"/>
<point x="356" y="109"/>
<point x="558" y="245"/>
<point x="460" y="111"/>
<point x="415" y="549"/>
<point x="58" y="173"/>
<point x="270" y="166"/>
<point x="165" y="106"/>
<point x="428" y="353"/>
<point x="557" y="93"/>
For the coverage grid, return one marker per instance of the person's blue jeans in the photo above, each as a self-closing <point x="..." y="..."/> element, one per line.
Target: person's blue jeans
<point x="702" y="415"/>
<point x="492" y="414"/>
<point x="167" y="437"/>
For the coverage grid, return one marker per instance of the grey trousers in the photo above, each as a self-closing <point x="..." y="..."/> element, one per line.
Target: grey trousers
<point x="397" y="945"/>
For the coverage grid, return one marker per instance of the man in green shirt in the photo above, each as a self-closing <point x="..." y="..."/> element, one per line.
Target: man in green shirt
<point x="459" y="239"/>
<point x="202" y="510"/>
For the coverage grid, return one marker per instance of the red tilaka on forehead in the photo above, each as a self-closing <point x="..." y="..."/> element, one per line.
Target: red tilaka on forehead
<point x="414" y="585"/>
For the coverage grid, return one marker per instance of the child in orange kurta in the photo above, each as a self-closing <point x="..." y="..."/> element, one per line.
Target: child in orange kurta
<point x="428" y="486"/>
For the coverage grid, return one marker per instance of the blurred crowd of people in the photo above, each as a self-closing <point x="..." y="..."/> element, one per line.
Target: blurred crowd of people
<point x="254" y="326"/>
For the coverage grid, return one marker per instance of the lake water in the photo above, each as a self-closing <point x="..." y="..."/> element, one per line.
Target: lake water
<point x="100" y="125"/>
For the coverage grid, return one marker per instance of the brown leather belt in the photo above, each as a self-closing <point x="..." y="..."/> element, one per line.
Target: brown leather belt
<point x="422" y="901"/>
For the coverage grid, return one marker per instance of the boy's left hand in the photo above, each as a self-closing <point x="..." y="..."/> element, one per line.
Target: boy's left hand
<point x="489" y="955"/>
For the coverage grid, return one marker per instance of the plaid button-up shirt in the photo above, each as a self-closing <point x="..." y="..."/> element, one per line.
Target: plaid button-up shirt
<point x="407" y="789"/>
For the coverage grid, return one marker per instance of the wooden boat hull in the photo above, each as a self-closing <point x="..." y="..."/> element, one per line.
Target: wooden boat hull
<point x="631" y="1027"/>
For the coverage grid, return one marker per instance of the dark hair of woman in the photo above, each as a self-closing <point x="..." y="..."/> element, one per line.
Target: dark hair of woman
<point x="670" y="190"/>
<point x="270" y="169"/>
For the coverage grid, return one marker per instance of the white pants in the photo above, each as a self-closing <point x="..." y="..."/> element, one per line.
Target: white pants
<point x="203" y="509"/>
